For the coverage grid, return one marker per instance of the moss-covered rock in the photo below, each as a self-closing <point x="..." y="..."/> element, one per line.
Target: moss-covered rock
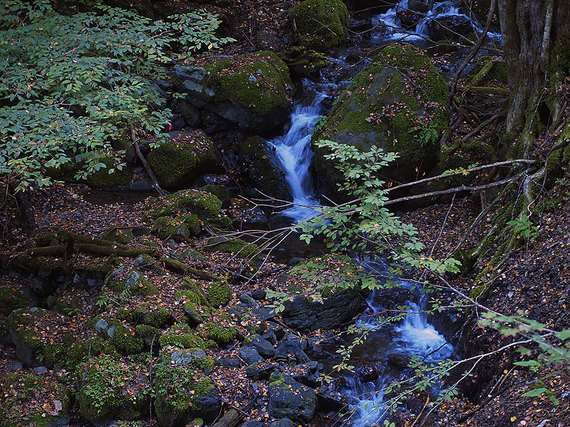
<point x="123" y="338"/>
<point x="199" y="202"/>
<point x="182" y="158"/>
<point x="119" y="235"/>
<point x="178" y="228"/>
<point x="219" y="294"/>
<point x="253" y="90"/>
<point x="238" y="247"/>
<point x="148" y="334"/>
<point x="260" y="170"/>
<point x="114" y="389"/>
<point x="183" y="393"/>
<point x="181" y="335"/>
<point x="220" y="334"/>
<point x="398" y="103"/>
<point x="305" y="62"/>
<point x="11" y="300"/>
<point x="132" y="282"/>
<point x="33" y="346"/>
<point x="113" y="174"/>
<point x="30" y="398"/>
<point x="320" y="24"/>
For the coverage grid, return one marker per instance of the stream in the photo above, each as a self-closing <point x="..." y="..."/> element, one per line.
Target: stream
<point x="387" y="346"/>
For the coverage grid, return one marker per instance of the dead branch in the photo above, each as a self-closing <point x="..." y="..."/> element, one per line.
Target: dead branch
<point x="472" y="53"/>
<point x="148" y="169"/>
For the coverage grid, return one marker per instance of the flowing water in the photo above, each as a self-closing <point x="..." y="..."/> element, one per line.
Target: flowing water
<point x="414" y="336"/>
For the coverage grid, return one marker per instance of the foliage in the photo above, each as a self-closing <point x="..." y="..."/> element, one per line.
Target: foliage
<point x="524" y="228"/>
<point x="364" y="226"/>
<point x="73" y="84"/>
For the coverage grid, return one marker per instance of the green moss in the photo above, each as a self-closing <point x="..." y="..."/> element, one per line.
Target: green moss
<point x="398" y="102"/>
<point x="177" y="390"/>
<point x="201" y="203"/>
<point x="126" y="341"/>
<point x="129" y="282"/>
<point x="237" y="247"/>
<point x="110" y="175"/>
<point x="148" y="334"/>
<point x="219" y="294"/>
<point x="119" y="235"/>
<point x="220" y="191"/>
<point x="220" y="334"/>
<point x="80" y="351"/>
<point x="320" y="24"/>
<point x="180" y="227"/>
<point x="21" y="391"/>
<point x="11" y="300"/>
<point x="182" y="158"/>
<point x="181" y="335"/>
<point x="258" y="82"/>
<point x="305" y="62"/>
<point x="114" y="389"/>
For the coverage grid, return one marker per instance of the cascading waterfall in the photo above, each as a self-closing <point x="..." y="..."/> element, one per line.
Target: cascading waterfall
<point x="414" y="336"/>
<point x="293" y="151"/>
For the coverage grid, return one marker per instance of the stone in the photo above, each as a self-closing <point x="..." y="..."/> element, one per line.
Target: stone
<point x="250" y="355"/>
<point x="290" y="399"/>
<point x="283" y="422"/>
<point x="253" y="90"/>
<point x="263" y="347"/>
<point x="248" y="301"/>
<point x="383" y="108"/>
<point x="259" y="294"/>
<point x="308" y="373"/>
<point x="291" y="352"/>
<point x="260" y="370"/>
<point x="320" y="24"/>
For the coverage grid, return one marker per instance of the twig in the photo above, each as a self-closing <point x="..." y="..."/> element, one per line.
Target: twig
<point x="472" y="53"/>
<point x="148" y="169"/>
<point x="483" y="125"/>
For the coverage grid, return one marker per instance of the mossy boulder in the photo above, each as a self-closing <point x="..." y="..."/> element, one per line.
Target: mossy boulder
<point x="219" y="294"/>
<point x="114" y="389"/>
<point x="290" y="399"/>
<point x="320" y="24"/>
<point x="253" y="90"/>
<point x="111" y="173"/>
<point x="30" y="398"/>
<point x="118" y="235"/>
<point x="31" y="344"/>
<point x="397" y="103"/>
<point x="260" y="170"/>
<point x="181" y="158"/>
<point x="304" y="62"/>
<point x="220" y="334"/>
<point x="11" y="300"/>
<point x="178" y="228"/>
<point x="181" y="335"/>
<point x="182" y="393"/>
<point x="237" y="247"/>
<point x="123" y="338"/>
<point x="186" y="206"/>
<point x="129" y="281"/>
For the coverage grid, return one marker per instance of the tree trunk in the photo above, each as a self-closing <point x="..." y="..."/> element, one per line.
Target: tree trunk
<point x="536" y="48"/>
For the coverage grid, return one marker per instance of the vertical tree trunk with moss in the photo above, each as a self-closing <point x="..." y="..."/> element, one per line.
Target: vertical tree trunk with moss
<point x="536" y="36"/>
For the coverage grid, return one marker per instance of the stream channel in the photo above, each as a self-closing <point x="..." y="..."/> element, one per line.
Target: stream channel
<point x="387" y="349"/>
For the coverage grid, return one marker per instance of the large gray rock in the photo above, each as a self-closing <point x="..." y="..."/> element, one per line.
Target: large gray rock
<point x="290" y="399"/>
<point x="253" y="91"/>
<point x="306" y="315"/>
<point x="397" y="103"/>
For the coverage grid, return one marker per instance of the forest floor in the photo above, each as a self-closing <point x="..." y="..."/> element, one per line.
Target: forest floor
<point x="536" y="280"/>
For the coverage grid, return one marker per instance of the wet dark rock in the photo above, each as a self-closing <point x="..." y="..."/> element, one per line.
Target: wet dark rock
<point x="399" y="360"/>
<point x="305" y="315"/>
<point x="290" y="399"/>
<point x="308" y="373"/>
<point x="208" y="407"/>
<point x="250" y="355"/>
<point x="330" y="399"/>
<point x="248" y="301"/>
<point x="367" y="372"/>
<point x="260" y="370"/>
<point x="270" y="336"/>
<point x="259" y="294"/>
<point x="393" y="297"/>
<point x="450" y="28"/>
<point x="263" y="347"/>
<point x="291" y="352"/>
<point x="229" y="362"/>
<point x="252" y="424"/>
<point x="283" y="422"/>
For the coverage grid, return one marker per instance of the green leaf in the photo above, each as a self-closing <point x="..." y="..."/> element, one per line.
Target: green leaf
<point x="536" y="392"/>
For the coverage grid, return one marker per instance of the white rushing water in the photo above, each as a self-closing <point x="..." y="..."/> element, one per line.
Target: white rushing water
<point x="293" y="151"/>
<point x="389" y="26"/>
